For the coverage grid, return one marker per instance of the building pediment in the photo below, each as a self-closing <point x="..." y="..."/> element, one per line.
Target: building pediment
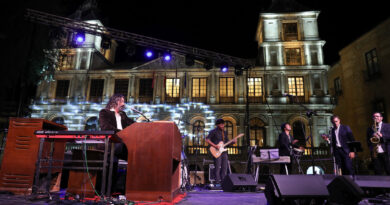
<point x="177" y="62"/>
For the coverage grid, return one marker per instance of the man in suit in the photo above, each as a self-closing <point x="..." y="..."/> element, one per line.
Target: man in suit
<point x="379" y="151"/>
<point x="341" y="135"/>
<point x="286" y="144"/>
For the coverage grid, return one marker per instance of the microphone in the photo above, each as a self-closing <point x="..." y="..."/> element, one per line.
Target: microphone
<point x="136" y="111"/>
<point x="140" y="113"/>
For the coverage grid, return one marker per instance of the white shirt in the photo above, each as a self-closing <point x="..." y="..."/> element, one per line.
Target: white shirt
<point x="336" y="132"/>
<point x="118" y="120"/>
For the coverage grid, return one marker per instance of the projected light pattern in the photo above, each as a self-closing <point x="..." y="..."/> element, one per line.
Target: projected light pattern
<point x="76" y="114"/>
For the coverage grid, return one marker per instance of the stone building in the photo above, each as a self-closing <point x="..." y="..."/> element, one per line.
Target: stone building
<point x="289" y="84"/>
<point x="359" y="82"/>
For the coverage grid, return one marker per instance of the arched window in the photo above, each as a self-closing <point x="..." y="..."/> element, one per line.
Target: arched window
<point x="229" y="129"/>
<point x="257" y="136"/>
<point x="198" y="132"/>
<point x="299" y="131"/>
<point x="59" y="120"/>
<point x="92" y="124"/>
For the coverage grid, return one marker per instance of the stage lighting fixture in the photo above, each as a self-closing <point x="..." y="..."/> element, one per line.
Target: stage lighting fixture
<point x="167" y="57"/>
<point x="149" y="54"/>
<point x="79" y="38"/>
<point x="208" y="64"/>
<point x="224" y="68"/>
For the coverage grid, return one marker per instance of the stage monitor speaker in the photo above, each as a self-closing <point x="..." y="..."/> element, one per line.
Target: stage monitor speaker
<point x="373" y="185"/>
<point x="238" y="182"/>
<point x="343" y="190"/>
<point x="293" y="189"/>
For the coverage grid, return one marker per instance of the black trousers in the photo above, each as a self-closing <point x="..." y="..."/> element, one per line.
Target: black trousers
<point x="289" y="167"/>
<point x="381" y="164"/>
<point x="343" y="161"/>
<point x="221" y="166"/>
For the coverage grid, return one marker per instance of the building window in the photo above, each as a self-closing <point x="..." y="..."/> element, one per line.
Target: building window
<point x="255" y="90"/>
<point x="96" y="90"/>
<point x="172" y="90"/>
<point x="372" y="64"/>
<point x="199" y="89"/>
<point x="296" y="89"/>
<point x="62" y="89"/>
<point x="66" y="61"/>
<point x="232" y="149"/>
<point x="256" y="127"/>
<point x="121" y="87"/>
<point x="290" y="31"/>
<point x="92" y="124"/>
<point x="293" y="56"/>
<point x="337" y="87"/>
<point x="145" y="90"/>
<point x="197" y="142"/>
<point x="226" y="90"/>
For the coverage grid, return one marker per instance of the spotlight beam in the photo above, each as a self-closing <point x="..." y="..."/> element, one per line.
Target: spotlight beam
<point x="72" y="25"/>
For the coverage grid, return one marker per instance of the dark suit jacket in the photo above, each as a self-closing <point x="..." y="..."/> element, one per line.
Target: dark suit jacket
<point x="107" y="120"/>
<point x="345" y="135"/>
<point x="284" y="144"/>
<point x="385" y="131"/>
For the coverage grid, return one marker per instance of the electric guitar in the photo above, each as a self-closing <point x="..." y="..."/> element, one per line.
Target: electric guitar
<point x="217" y="152"/>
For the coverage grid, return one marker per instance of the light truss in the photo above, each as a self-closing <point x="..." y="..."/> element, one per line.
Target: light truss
<point x="140" y="40"/>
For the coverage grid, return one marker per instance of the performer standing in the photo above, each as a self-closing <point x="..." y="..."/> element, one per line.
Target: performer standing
<point x="112" y="117"/>
<point x="378" y="137"/>
<point x="286" y="145"/>
<point x="214" y="138"/>
<point x="341" y="134"/>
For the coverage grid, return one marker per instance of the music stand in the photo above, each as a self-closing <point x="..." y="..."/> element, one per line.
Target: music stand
<point x="356" y="147"/>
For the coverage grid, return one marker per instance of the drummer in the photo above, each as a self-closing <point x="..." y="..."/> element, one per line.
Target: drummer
<point x="286" y="145"/>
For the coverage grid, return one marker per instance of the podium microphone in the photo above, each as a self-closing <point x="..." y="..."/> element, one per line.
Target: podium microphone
<point x="140" y="113"/>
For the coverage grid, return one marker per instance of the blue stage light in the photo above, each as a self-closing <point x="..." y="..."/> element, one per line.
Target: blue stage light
<point x="80" y="38"/>
<point x="149" y="54"/>
<point x="167" y="57"/>
<point x="224" y="69"/>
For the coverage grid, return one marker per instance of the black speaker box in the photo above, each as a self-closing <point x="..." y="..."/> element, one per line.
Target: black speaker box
<point x="238" y="182"/>
<point x="296" y="189"/>
<point x="343" y="190"/>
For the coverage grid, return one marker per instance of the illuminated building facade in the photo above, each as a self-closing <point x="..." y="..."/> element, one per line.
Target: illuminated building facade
<point x="290" y="62"/>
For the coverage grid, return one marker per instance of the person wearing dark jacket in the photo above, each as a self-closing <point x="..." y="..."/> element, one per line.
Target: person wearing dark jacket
<point x="112" y="117"/>
<point x="380" y="150"/>
<point x="341" y="135"/>
<point x="286" y="145"/>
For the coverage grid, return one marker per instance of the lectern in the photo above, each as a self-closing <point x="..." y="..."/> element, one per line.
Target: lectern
<point x="154" y="151"/>
<point x="21" y="152"/>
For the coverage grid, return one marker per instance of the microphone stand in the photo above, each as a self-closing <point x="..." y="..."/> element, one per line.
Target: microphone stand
<point x="332" y="152"/>
<point x="140" y="113"/>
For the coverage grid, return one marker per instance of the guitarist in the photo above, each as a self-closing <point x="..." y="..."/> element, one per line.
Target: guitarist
<point x="216" y="136"/>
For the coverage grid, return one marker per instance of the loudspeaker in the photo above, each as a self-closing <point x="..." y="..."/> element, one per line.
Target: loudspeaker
<point x="292" y="189"/>
<point x="238" y="182"/>
<point x="344" y="191"/>
<point x="373" y="185"/>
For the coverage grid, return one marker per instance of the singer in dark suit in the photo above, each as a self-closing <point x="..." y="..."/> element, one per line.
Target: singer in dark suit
<point x="286" y="145"/>
<point x="379" y="152"/>
<point x="341" y="135"/>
